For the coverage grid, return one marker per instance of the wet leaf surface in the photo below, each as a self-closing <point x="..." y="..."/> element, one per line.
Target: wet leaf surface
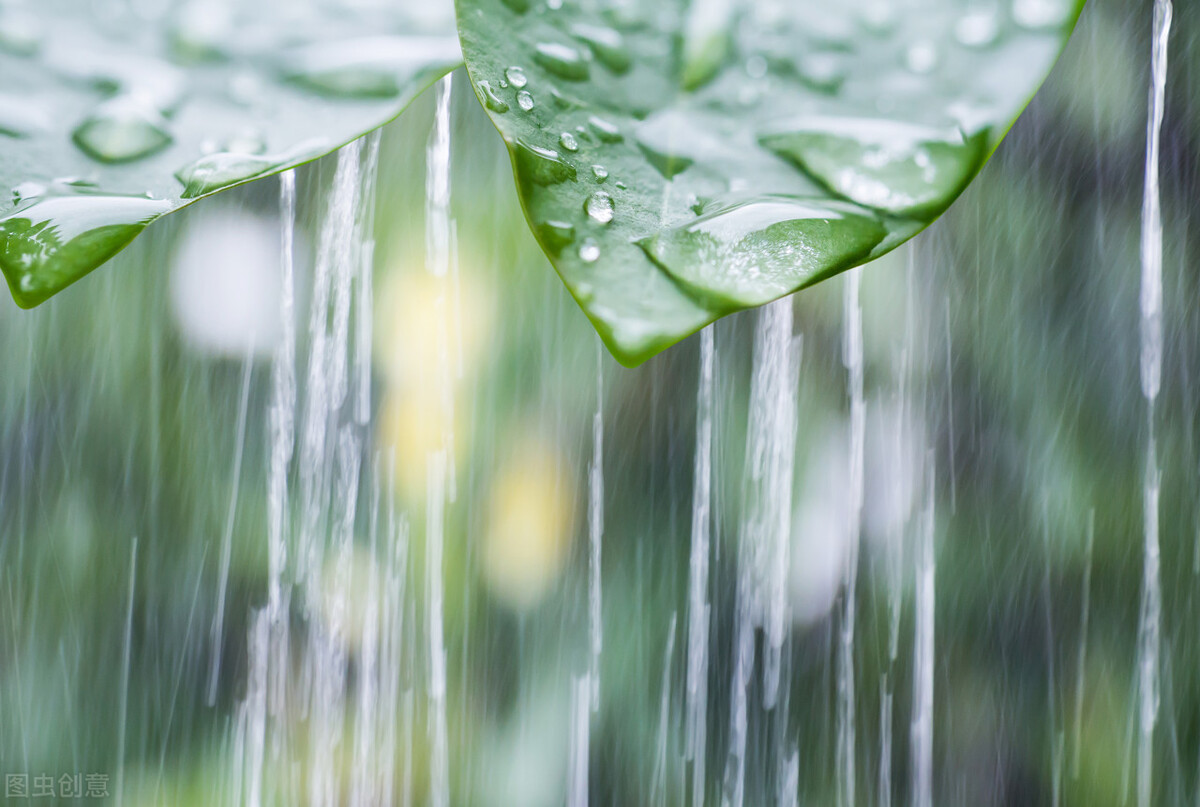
<point x="679" y="162"/>
<point x="109" y="120"/>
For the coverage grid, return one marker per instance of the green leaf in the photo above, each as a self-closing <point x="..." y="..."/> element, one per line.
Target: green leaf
<point x="109" y="121"/>
<point x="679" y="162"/>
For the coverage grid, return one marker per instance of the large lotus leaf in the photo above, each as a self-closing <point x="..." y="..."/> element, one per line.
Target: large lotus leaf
<point x="682" y="161"/>
<point x="114" y="114"/>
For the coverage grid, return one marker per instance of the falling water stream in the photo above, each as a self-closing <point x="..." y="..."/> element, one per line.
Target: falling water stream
<point x="313" y="560"/>
<point x="1149" y="665"/>
<point x="699" y="605"/>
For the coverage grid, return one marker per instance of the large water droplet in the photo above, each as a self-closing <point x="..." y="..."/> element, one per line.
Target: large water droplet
<point x="121" y="130"/>
<point x="246" y="88"/>
<point x="823" y="71"/>
<point x="246" y="142"/>
<point x="525" y="100"/>
<point x="558" y="234"/>
<point x="25" y="191"/>
<point x="516" y="77"/>
<point x="599" y="207"/>
<point x="540" y="165"/>
<point x="898" y="167"/>
<point x="21" y="117"/>
<point x="600" y="173"/>
<point x="568" y="142"/>
<point x="977" y="28"/>
<point x="563" y="61"/>
<point x="20" y="33"/>
<point x="589" y="251"/>
<point x="1041" y="14"/>
<point x="607" y="131"/>
<point x="490" y="99"/>
<point x="666" y="163"/>
<point x="761" y="249"/>
<point x="215" y="171"/>
<point x="921" y="57"/>
<point x="672" y="139"/>
<point x="200" y="30"/>
<point x="53" y="242"/>
<point x="154" y="83"/>
<point x="373" y="67"/>
<point x="878" y="17"/>
<point x="606" y="44"/>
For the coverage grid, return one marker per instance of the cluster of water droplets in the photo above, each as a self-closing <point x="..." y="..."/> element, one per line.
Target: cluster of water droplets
<point x="777" y="165"/>
<point x="134" y="111"/>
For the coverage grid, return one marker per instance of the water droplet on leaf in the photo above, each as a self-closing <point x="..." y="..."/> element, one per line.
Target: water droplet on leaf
<point x="121" y="130"/>
<point x="563" y="61"/>
<point x="589" y="251"/>
<point x="606" y="131"/>
<point x="490" y="99"/>
<point x="898" y="167"/>
<point x="248" y="142"/>
<point x="606" y="44"/>
<point x="1041" y="14"/>
<point x="57" y="240"/>
<point x="542" y="166"/>
<point x="370" y="67"/>
<point x="824" y="72"/>
<point x="21" y="117"/>
<point x="20" y="33"/>
<point x="25" y="191"/>
<point x="921" y="57"/>
<point x="516" y="77"/>
<point x="977" y="28"/>
<point x="558" y="234"/>
<point x="215" y="171"/>
<point x="599" y="207"/>
<point x="761" y="249"/>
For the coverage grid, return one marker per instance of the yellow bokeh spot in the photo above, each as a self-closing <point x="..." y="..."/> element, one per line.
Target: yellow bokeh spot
<point x="528" y="531"/>
<point x="415" y="426"/>
<point x="429" y="325"/>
